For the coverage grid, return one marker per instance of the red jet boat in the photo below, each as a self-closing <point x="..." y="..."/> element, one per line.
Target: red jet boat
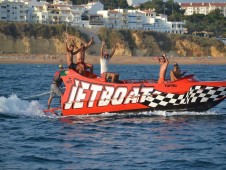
<point x="84" y="95"/>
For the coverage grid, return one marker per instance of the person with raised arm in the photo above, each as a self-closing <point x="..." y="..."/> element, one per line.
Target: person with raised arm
<point x="70" y="54"/>
<point x="81" y="56"/>
<point x="163" y="61"/>
<point x="105" y="57"/>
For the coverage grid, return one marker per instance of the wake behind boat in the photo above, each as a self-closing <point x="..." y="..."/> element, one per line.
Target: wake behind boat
<point x="84" y="95"/>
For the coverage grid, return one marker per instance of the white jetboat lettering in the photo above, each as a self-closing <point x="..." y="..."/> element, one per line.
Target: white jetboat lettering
<point x="72" y="95"/>
<point x="145" y="92"/>
<point x="103" y="95"/>
<point x="133" y="96"/>
<point x="106" y="94"/>
<point x="119" y="95"/>
<point x="79" y="100"/>
<point x="94" y="90"/>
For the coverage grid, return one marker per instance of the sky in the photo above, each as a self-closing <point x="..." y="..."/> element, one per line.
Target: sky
<point x="187" y="1"/>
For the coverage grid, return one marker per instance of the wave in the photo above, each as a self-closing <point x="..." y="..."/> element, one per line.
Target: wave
<point x="14" y="106"/>
<point x="151" y="113"/>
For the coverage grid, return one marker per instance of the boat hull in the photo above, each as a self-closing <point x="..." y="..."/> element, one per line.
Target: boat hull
<point x="94" y="95"/>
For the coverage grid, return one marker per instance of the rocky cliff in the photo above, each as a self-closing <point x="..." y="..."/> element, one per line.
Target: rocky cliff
<point x="131" y="43"/>
<point x="147" y="43"/>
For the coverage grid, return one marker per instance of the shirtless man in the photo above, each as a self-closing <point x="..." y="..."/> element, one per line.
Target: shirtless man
<point x="176" y="73"/>
<point x="104" y="60"/>
<point x="69" y="57"/>
<point x="81" y="57"/>
<point x="163" y="61"/>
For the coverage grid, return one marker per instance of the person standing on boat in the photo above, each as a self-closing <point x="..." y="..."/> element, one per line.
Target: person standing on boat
<point x="55" y="86"/>
<point x="81" y="56"/>
<point x="176" y="74"/>
<point x="163" y="61"/>
<point x="104" y="60"/>
<point x="69" y="56"/>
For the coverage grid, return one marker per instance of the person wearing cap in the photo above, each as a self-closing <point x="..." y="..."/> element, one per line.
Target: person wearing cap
<point x="104" y="60"/>
<point x="176" y="74"/>
<point x="55" y="86"/>
<point x="163" y="61"/>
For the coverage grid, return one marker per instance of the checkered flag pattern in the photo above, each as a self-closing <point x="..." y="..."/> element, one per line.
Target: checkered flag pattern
<point x="196" y="94"/>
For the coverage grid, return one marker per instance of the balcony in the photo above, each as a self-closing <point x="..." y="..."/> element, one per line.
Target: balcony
<point x="112" y="18"/>
<point x="124" y="18"/>
<point x="96" y="22"/>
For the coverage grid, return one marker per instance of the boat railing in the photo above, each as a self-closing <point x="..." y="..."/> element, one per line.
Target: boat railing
<point x="134" y="81"/>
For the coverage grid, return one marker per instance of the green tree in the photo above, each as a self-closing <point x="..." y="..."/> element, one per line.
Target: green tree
<point x="169" y="8"/>
<point x="213" y="22"/>
<point x="176" y="17"/>
<point x="122" y="4"/>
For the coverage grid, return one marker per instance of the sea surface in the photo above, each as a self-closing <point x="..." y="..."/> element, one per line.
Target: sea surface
<point x="145" y="140"/>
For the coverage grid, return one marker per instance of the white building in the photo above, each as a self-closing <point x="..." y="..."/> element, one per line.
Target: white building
<point x="203" y="8"/>
<point x="91" y="15"/>
<point x="136" y="2"/>
<point x="140" y="20"/>
<point x="135" y="20"/>
<point x="175" y="28"/>
<point x="159" y="23"/>
<point x="40" y="14"/>
<point x="111" y="18"/>
<point x="58" y="13"/>
<point x="77" y="11"/>
<point x="93" y="7"/>
<point x="123" y="19"/>
<point x="37" y="11"/>
<point x="14" y="11"/>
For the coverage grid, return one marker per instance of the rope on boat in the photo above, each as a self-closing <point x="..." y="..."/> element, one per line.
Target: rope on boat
<point x="37" y="95"/>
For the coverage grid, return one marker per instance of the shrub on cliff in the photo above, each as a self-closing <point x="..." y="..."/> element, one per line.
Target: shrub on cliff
<point x="151" y="42"/>
<point x="123" y="37"/>
<point x="19" y="30"/>
<point x="203" y="42"/>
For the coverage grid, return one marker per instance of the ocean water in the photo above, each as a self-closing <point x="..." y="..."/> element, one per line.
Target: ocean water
<point x="145" y="140"/>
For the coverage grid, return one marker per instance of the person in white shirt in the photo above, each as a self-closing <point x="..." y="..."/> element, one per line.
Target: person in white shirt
<point x="105" y="57"/>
